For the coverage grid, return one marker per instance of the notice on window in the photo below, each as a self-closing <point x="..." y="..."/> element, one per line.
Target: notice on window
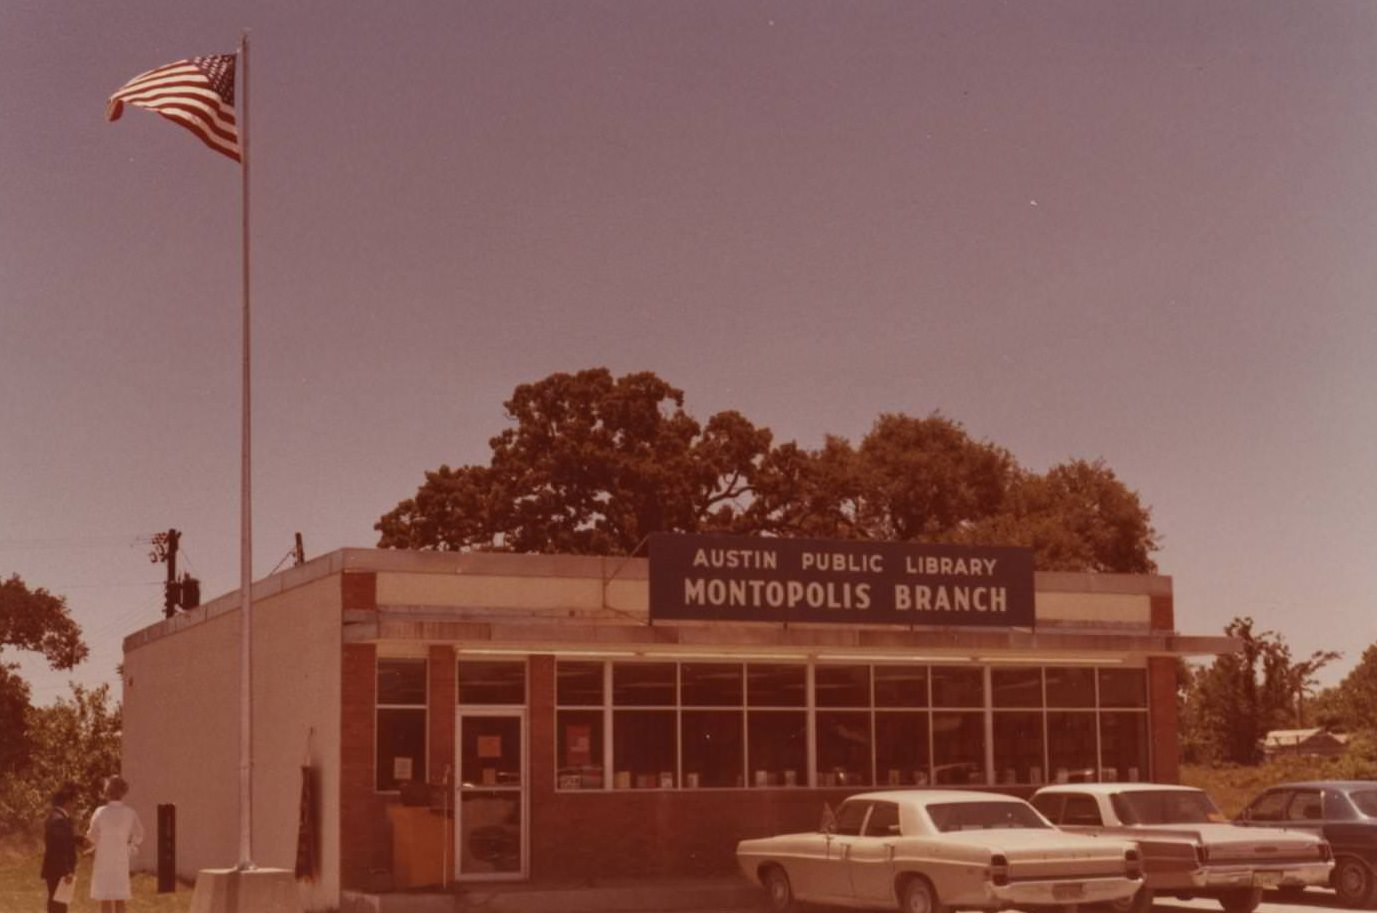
<point x="579" y="741"/>
<point x="490" y="746"/>
<point x="401" y="769"/>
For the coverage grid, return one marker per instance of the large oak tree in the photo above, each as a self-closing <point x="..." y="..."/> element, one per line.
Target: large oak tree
<point x="592" y="464"/>
<point x="33" y="620"/>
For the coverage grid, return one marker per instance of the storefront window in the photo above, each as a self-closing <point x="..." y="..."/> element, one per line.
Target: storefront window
<point x="401" y="723"/>
<point x="644" y="749"/>
<point x="1123" y="688"/>
<point x="901" y="686"/>
<point x="958" y="747"/>
<point x="901" y="747"/>
<point x="958" y="686"/>
<point x="1016" y="687"/>
<point x="578" y="684"/>
<point x="777" y="747"/>
<point x="490" y="682"/>
<point x="776" y="686"/>
<point x="643" y="684"/>
<point x="1071" y="755"/>
<point x="711" y="685"/>
<point x="1070" y="687"/>
<point x="1018" y="746"/>
<point x="1124" y="741"/>
<point x="841" y="686"/>
<point x="843" y="748"/>
<point x="713" y="750"/>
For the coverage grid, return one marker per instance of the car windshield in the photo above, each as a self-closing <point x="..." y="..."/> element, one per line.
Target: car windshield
<point x="983" y="816"/>
<point x="1366" y="802"/>
<point x="1166" y="806"/>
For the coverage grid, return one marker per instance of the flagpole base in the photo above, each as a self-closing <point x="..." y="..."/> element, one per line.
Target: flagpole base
<point x="245" y="891"/>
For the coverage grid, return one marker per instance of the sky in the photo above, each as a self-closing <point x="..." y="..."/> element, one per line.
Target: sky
<point x="1136" y="232"/>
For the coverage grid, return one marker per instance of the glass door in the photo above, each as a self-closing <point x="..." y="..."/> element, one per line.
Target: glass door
<point x="491" y="795"/>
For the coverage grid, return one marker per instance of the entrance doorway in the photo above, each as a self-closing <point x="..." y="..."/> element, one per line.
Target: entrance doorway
<point x="490" y="806"/>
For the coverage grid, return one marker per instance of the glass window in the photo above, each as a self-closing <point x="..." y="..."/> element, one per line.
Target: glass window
<point x="1018" y="746"/>
<point x="851" y="817"/>
<point x="1070" y="687"/>
<point x="1071" y="755"/>
<point x="1050" y="804"/>
<point x="1337" y="807"/>
<point x="956" y="686"/>
<point x="1016" y="687"/>
<point x="980" y="816"/>
<point x="578" y="684"/>
<point x="711" y="685"/>
<point x="1268" y="807"/>
<point x="1124" y="747"/>
<point x="1081" y="811"/>
<point x="401" y="723"/>
<point x="1366" y="801"/>
<point x="643" y="684"/>
<point x="901" y="748"/>
<point x="644" y="749"/>
<point x="1165" y="806"/>
<point x="1305" y="805"/>
<point x="843" y="748"/>
<point x="901" y="686"/>
<point x="491" y="681"/>
<point x="958" y="748"/>
<point x="1123" y="688"/>
<point x="884" y="820"/>
<point x="579" y="736"/>
<point x="402" y="682"/>
<point x="713" y="750"/>
<point x="777" y="747"/>
<point x="841" y="686"/>
<point x="776" y="686"/>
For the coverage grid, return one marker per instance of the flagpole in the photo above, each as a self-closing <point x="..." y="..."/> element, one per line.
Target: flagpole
<point x="245" y="507"/>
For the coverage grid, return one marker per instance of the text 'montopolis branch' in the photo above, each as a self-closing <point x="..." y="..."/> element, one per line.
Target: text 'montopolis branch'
<point x="763" y="579"/>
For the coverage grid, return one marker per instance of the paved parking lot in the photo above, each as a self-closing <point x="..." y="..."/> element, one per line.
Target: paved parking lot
<point x="1310" y="902"/>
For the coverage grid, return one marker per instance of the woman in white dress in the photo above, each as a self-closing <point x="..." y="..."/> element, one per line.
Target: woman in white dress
<point x="115" y="834"/>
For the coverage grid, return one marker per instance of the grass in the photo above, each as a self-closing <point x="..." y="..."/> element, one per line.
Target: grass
<point x="22" y="889"/>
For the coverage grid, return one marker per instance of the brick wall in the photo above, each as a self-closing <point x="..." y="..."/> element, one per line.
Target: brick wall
<point x="440" y="719"/>
<point x="364" y="840"/>
<point x="1162" y="724"/>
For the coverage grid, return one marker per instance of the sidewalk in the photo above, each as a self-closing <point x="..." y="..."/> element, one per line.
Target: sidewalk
<point x="679" y="895"/>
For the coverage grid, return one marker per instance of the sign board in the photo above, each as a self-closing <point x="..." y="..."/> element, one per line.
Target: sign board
<point x="748" y="578"/>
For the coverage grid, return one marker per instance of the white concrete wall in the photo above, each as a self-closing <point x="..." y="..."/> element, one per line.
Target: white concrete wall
<point x="181" y="731"/>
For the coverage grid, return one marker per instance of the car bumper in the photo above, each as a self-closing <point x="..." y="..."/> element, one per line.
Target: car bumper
<point x="1061" y="891"/>
<point x="1261" y="876"/>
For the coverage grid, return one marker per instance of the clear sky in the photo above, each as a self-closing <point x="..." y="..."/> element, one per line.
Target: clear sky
<point x="1137" y="231"/>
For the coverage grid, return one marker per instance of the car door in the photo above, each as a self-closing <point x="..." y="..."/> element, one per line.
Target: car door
<point x="872" y="856"/>
<point x="830" y="877"/>
<point x="1305" y="812"/>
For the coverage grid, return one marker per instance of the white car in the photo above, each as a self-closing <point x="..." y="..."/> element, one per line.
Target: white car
<point x="1189" y="847"/>
<point x="928" y="851"/>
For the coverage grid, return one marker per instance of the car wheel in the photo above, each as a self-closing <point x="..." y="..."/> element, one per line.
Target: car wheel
<point x="779" y="894"/>
<point x="918" y="896"/>
<point x="1240" y="900"/>
<point x="1353" y="882"/>
<point x="1138" y="903"/>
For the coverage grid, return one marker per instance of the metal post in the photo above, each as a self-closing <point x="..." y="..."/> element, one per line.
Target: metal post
<point x="245" y="509"/>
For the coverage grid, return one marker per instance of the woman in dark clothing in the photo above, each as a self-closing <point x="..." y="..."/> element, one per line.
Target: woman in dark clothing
<point x="60" y="844"/>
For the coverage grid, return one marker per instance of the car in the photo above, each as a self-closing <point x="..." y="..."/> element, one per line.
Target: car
<point x="1188" y="846"/>
<point x="931" y="850"/>
<point x="1344" y="812"/>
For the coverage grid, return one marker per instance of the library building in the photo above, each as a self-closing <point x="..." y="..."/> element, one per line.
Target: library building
<point x="422" y="720"/>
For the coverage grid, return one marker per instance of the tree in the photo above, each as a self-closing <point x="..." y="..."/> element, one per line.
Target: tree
<point x="37" y="621"/>
<point x="1239" y="698"/>
<point x="1352" y="704"/>
<point x="76" y="740"/>
<point x="594" y="464"/>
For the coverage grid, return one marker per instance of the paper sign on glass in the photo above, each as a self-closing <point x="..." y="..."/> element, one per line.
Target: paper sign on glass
<point x="490" y="746"/>
<point x="401" y="769"/>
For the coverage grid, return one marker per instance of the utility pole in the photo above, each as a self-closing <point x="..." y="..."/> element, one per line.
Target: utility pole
<point x="165" y="551"/>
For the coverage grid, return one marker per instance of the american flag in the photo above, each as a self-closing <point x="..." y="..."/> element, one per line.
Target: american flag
<point x="197" y="93"/>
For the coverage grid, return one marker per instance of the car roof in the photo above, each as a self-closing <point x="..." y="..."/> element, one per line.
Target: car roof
<point x="1327" y="784"/>
<point x="925" y="796"/>
<point x="1109" y="789"/>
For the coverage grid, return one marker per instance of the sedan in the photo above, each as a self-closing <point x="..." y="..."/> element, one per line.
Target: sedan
<point x="1344" y="812"/>
<point x="929" y="851"/>
<point x="1189" y="848"/>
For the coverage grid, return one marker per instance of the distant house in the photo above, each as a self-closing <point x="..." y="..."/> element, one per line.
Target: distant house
<point x="1314" y="743"/>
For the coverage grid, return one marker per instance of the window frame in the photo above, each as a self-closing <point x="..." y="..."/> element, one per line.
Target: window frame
<point x="378" y="708"/>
